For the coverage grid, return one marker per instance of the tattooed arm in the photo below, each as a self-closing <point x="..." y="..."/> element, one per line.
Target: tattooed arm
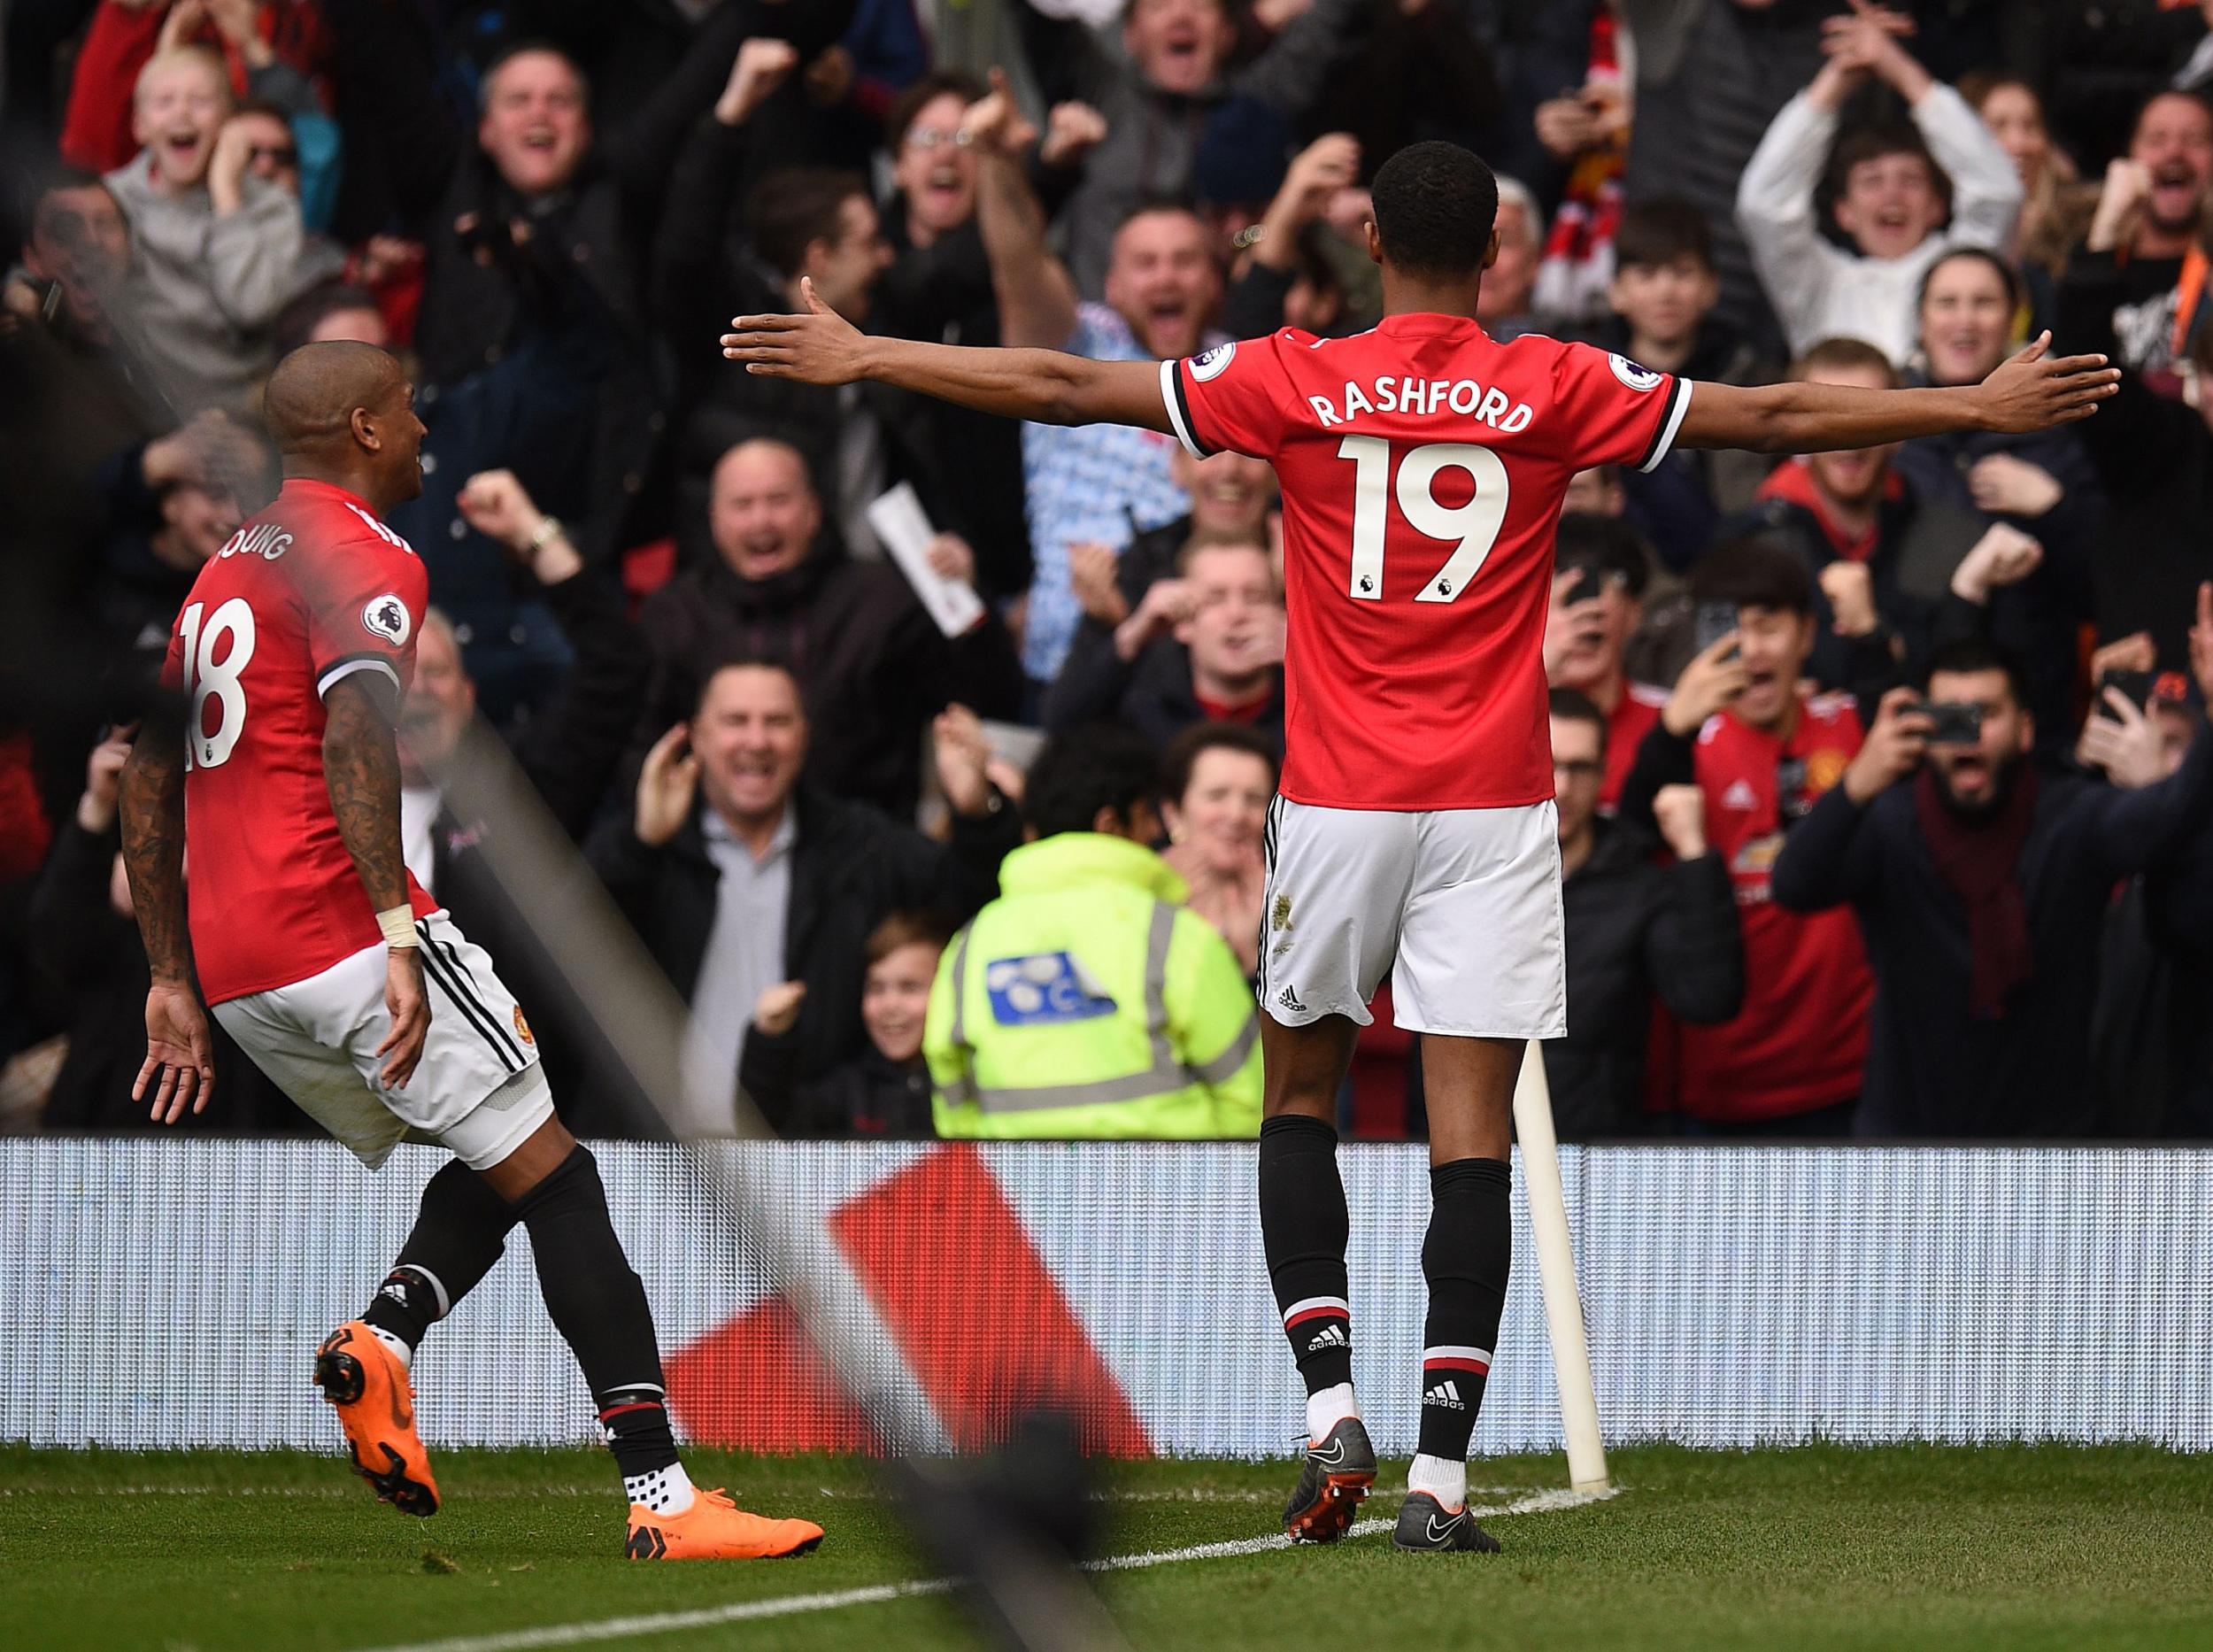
<point x="361" y="768"/>
<point x="179" y="1065"/>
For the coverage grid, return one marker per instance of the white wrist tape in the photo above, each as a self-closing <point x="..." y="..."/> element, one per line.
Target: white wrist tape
<point x="398" y="924"/>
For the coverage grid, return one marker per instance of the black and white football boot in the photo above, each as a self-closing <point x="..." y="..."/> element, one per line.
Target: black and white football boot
<point x="1333" y="1482"/>
<point x="1423" y="1525"/>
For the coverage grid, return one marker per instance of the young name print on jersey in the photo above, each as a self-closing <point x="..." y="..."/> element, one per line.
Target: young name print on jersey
<point x="1422" y="467"/>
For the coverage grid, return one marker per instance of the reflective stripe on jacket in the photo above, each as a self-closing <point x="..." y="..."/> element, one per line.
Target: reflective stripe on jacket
<point x="1088" y="1001"/>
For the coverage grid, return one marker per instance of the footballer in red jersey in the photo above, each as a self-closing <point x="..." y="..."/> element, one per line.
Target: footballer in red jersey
<point x="1422" y="467"/>
<point x="308" y="592"/>
<point x="345" y="981"/>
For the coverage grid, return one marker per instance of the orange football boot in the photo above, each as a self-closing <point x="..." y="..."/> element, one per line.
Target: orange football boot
<point x="367" y="1386"/>
<point x="715" y="1528"/>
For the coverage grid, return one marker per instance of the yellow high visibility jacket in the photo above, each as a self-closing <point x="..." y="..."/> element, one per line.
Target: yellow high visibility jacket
<point x="1088" y="1001"/>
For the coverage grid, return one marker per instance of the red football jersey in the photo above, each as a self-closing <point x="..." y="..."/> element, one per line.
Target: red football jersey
<point x="307" y="592"/>
<point x="1423" y="466"/>
<point x="1630" y="720"/>
<point x="1800" y="1039"/>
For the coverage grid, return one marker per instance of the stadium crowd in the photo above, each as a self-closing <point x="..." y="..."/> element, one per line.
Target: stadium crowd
<point x="780" y="660"/>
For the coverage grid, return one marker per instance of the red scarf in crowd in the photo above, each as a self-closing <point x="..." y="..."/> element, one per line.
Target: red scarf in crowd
<point x="1792" y="483"/>
<point x="1979" y="859"/>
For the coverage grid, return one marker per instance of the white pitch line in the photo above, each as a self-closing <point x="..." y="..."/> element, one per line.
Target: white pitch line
<point x="665" y="1623"/>
<point x="793" y="1605"/>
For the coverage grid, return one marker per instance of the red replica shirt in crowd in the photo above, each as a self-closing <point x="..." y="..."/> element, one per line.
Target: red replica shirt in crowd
<point x="308" y="592"/>
<point x="1800" y="1039"/>
<point x="1626" y="726"/>
<point x="1422" y="467"/>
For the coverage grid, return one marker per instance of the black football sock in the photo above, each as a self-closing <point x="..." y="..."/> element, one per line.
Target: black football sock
<point x="1464" y="1258"/>
<point x="1303" y="1228"/>
<point x="598" y="1306"/>
<point x="459" y="1233"/>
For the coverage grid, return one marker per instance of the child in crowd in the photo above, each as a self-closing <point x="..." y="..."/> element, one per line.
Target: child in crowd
<point x="885" y="1090"/>
<point x="1890" y="198"/>
<point x="1662" y="296"/>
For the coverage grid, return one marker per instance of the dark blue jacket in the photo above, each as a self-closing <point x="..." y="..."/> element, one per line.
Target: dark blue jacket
<point x="1933" y="1069"/>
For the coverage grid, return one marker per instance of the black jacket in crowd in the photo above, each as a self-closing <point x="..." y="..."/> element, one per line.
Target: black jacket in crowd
<point x="1152" y="694"/>
<point x="1933" y="1068"/>
<point x="567" y="757"/>
<point x="1680" y="503"/>
<point x="91" y="959"/>
<point x="2036" y="622"/>
<point x="1093" y="675"/>
<point x="1636" y="929"/>
<point x="973" y="461"/>
<point x="2156" y="458"/>
<point x="868" y="1096"/>
<point x="872" y="664"/>
<point x="851" y="869"/>
<point x="2152" y="1033"/>
<point x="536" y="350"/>
<point x="965" y="467"/>
<point x="1918" y="544"/>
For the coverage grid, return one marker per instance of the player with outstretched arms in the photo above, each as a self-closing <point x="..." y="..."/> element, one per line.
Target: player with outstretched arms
<point x="347" y="984"/>
<point x="1423" y="466"/>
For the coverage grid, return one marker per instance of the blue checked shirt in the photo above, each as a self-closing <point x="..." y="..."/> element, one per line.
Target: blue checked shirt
<point x="1104" y="483"/>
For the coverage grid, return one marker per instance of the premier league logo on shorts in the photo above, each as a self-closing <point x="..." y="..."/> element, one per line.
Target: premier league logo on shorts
<point x="387" y="617"/>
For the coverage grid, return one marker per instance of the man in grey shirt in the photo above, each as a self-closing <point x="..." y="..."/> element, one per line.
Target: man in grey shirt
<point x="738" y="876"/>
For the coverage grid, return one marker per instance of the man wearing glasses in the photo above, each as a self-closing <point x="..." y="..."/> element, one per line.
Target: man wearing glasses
<point x="1634" y="929"/>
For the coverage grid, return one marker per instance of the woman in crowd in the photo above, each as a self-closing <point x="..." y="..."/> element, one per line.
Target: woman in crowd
<point x="2042" y="485"/>
<point x="1220" y="778"/>
<point x="2055" y="204"/>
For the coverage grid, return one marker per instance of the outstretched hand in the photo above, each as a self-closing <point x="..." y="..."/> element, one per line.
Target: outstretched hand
<point x="2034" y="390"/>
<point x="819" y="347"/>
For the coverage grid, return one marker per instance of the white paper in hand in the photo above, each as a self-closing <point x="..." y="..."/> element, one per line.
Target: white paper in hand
<point x="905" y="533"/>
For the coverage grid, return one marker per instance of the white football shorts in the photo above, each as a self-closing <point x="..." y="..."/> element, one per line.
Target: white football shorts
<point x="478" y="1089"/>
<point x="1460" y="907"/>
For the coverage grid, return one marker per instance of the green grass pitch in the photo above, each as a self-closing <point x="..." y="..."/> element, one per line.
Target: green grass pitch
<point x="1823" y="1546"/>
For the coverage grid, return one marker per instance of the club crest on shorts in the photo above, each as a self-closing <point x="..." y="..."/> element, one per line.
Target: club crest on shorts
<point x="522" y="1029"/>
<point x="387" y="617"/>
<point x="1629" y="374"/>
<point x="1206" y="366"/>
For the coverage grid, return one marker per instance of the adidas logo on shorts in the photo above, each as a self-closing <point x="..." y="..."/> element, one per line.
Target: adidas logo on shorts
<point x="1289" y="999"/>
<point x="1447" y="1394"/>
<point x="1330" y="1336"/>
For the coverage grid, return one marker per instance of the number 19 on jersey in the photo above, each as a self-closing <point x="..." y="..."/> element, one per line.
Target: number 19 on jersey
<point x="1473" y="526"/>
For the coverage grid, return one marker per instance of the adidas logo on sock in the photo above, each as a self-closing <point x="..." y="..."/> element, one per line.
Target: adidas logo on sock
<point x="1330" y="1336"/>
<point x="396" y="1292"/>
<point x="1447" y="1394"/>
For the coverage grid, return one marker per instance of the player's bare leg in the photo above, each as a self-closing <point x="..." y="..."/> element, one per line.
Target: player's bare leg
<point x="1469" y="1086"/>
<point x="1304" y="1229"/>
<point x="550" y="1183"/>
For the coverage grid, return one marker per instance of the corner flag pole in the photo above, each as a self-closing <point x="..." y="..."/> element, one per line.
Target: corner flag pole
<point x="1556" y="1264"/>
